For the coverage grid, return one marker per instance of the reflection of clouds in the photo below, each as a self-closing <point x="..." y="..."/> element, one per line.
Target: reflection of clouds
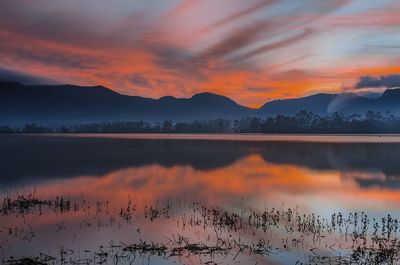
<point x="373" y="180"/>
<point x="250" y="182"/>
<point x="250" y="178"/>
<point x="39" y="158"/>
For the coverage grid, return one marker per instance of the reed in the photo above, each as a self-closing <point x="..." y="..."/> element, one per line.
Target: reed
<point x="228" y="235"/>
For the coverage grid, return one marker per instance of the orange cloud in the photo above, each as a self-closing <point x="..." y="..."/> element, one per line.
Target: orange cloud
<point x="250" y="52"/>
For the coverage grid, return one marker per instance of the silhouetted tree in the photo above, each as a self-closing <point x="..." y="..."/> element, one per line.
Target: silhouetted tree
<point x="167" y="127"/>
<point x="302" y="122"/>
<point x="6" y="129"/>
<point x="34" y="128"/>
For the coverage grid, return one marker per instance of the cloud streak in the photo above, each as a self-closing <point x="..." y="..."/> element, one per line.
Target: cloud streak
<point x="236" y="48"/>
<point x="239" y="14"/>
<point x="276" y="45"/>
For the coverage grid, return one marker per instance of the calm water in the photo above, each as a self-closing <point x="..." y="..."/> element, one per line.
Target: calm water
<point x="127" y="189"/>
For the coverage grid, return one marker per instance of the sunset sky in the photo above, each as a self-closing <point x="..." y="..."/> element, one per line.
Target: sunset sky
<point x="251" y="51"/>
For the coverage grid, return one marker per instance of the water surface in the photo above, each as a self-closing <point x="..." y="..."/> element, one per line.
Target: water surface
<point x="118" y="181"/>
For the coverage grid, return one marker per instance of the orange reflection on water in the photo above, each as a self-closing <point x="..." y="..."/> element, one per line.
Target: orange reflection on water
<point x="250" y="179"/>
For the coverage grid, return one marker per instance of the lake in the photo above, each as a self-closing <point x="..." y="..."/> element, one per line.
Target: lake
<point x="200" y="199"/>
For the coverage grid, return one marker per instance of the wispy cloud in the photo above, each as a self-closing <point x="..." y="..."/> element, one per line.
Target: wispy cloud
<point x="236" y="48"/>
<point x="281" y="44"/>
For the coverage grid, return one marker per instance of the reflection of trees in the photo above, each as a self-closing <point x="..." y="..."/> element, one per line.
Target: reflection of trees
<point x="365" y="158"/>
<point x="60" y="156"/>
<point x="341" y="156"/>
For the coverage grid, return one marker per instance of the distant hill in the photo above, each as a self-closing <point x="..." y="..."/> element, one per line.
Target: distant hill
<point x="389" y="101"/>
<point x="317" y="104"/>
<point x="20" y="104"/>
<point x="326" y="104"/>
<point x="60" y="104"/>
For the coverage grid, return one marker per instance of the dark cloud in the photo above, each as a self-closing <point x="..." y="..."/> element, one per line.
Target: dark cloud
<point x="39" y="24"/>
<point x="12" y="48"/>
<point x="195" y="64"/>
<point x="68" y="25"/>
<point x="239" y="39"/>
<point x="245" y="36"/>
<point x="240" y="14"/>
<point x="277" y="45"/>
<point x="182" y="62"/>
<point x="327" y="6"/>
<point x="23" y="78"/>
<point x="140" y="80"/>
<point x="57" y="58"/>
<point x="170" y="57"/>
<point x="388" y="81"/>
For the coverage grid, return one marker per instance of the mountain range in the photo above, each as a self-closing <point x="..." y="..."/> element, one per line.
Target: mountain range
<point x="61" y="104"/>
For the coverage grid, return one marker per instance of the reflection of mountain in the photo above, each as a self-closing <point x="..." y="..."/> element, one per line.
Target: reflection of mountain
<point x="42" y="156"/>
<point x="341" y="156"/>
<point x="25" y="156"/>
<point x="359" y="157"/>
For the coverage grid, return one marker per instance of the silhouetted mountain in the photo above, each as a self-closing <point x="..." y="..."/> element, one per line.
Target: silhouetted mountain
<point x="351" y="103"/>
<point x="317" y="104"/>
<point x="62" y="104"/>
<point x="326" y="104"/>
<point x="200" y="106"/>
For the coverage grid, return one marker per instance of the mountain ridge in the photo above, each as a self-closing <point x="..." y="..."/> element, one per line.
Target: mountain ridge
<point x="56" y="104"/>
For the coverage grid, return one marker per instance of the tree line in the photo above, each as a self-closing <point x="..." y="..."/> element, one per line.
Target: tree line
<point x="302" y="122"/>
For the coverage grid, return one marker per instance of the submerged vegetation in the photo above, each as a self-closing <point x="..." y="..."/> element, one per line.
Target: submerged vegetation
<point x="213" y="234"/>
<point x="302" y="122"/>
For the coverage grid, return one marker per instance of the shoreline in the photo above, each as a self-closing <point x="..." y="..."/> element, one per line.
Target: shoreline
<point x="254" y="137"/>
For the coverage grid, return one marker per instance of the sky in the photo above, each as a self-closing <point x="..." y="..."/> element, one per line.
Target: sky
<point x="252" y="51"/>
